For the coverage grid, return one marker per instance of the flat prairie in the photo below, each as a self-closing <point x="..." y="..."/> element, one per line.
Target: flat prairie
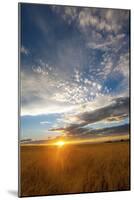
<point x="48" y="170"/>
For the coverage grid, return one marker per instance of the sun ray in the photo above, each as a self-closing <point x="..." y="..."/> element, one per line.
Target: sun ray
<point x="60" y="143"/>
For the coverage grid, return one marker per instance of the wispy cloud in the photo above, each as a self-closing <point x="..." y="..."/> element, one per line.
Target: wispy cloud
<point x="24" y="51"/>
<point x="45" y="122"/>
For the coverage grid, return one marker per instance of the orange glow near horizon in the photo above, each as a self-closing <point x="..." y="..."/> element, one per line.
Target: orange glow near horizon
<point x="102" y="139"/>
<point x="60" y="143"/>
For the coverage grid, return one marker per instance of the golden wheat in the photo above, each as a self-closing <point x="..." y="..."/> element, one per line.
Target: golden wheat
<point x="47" y="170"/>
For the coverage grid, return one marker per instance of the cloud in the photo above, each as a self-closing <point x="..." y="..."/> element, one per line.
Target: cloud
<point x="118" y="107"/>
<point x="107" y="44"/>
<point x="26" y="140"/>
<point x="67" y="13"/>
<point x="39" y="94"/>
<point x="24" y="51"/>
<point x="117" y="130"/>
<point x="123" y="65"/>
<point x="77" y="50"/>
<point x="96" y="18"/>
<point x="109" y="20"/>
<point x="116" y="118"/>
<point x="101" y="28"/>
<point x="117" y="110"/>
<point x="79" y="67"/>
<point x="105" y="30"/>
<point x="45" y="91"/>
<point x="45" y="122"/>
<point x="81" y="132"/>
<point x="122" y="129"/>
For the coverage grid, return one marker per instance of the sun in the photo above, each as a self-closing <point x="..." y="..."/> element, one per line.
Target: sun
<point x="60" y="143"/>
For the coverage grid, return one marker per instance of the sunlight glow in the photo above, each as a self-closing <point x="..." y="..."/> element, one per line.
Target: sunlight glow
<point x="60" y="143"/>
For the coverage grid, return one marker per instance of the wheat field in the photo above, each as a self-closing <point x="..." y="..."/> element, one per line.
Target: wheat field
<point x="48" y="170"/>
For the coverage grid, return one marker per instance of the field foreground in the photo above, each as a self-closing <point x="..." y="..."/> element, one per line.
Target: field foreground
<point x="47" y="170"/>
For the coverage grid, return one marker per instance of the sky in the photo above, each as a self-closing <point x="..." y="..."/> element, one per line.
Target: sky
<point x="74" y="72"/>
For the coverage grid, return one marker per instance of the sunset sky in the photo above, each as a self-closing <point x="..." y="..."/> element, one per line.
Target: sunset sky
<point x="74" y="72"/>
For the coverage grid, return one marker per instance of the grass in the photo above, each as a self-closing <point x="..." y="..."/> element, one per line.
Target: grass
<point x="47" y="170"/>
